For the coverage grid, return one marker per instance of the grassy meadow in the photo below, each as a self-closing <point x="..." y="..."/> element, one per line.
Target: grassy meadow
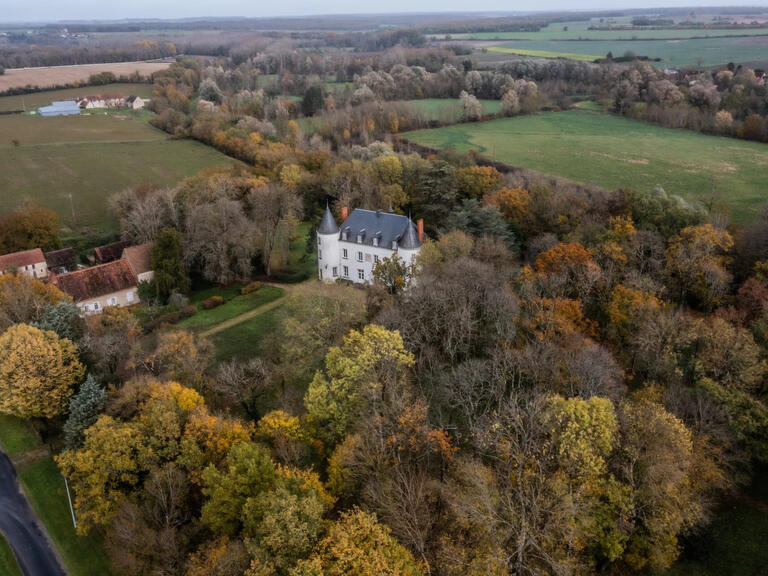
<point x="89" y="157"/>
<point x="614" y="152"/>
<point x="37" y="99"/>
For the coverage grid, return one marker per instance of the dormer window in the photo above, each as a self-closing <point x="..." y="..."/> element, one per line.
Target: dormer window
<point x="375" y="240"/>
<point x="394" y="244"/>
<point x="345" y="234"/>
<point x="359" y="238"/>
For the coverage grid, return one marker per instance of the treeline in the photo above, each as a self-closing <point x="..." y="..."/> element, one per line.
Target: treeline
<point x="29" y="56"/>
<point x="732" y="101"/>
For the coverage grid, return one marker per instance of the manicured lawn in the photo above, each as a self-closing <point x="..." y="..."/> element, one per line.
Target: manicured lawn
<point x="243" y="340"/>
<point x="234" y="307"/>
<point x="44" y="486"/>
<point x="8" y="564"/>
<point x="90" y="158"/>
<point x="37" y="99"/>
<point x="17" y="436"/>
<point x="615" y="152"/>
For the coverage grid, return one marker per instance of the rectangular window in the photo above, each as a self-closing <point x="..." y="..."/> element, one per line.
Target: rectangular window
<point x="375" y="241"/>
<point x="375" y="259"/>
<point x="344" y="253"/>
<point x="95" y="305"/>
<point x="359" y="256"/>
<point x="112" y="301"/>
<point x="319" y="253"/>
<point x="129" y="296"/>
<point x="367" y="257"/>
<point x="346" y="271"/>
<point x="360" y="274"/>
<point x="335" y="271"/>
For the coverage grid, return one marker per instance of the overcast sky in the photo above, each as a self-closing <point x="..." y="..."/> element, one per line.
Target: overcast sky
<point x="50" y="10"/>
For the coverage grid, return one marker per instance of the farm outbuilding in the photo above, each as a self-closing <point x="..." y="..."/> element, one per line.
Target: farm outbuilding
<point x="63" y="108"/>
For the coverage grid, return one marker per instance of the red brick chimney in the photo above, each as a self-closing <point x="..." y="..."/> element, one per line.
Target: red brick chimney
<point x="420" y="226"/>
<point x="344" y="213"/>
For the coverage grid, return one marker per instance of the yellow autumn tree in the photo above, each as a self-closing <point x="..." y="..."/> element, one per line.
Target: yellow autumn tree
<point x="38" y="372"/>
<point x="357" y="545"/>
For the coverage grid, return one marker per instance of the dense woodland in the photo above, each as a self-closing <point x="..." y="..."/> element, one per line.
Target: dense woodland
<point x="567" y="381"/>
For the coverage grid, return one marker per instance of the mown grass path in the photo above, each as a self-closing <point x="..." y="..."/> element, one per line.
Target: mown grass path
<point x="240" y="318"/>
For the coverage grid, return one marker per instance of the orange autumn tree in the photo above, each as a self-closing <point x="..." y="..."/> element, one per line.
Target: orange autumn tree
<point x="513" y="203"/>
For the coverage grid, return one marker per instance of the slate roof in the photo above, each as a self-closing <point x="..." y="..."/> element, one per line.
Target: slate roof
<point x="97" y="280"/>
<point x="64" y="258"/>
<point x="384" y="225"/>
<point x="21" y="259"/>
<point x="328" y="223"/>
<point x="110" y="252"/>
<point x="139" y="257"/>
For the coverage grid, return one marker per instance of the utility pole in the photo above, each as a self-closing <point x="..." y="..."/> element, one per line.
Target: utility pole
<point x="71" y="509"/>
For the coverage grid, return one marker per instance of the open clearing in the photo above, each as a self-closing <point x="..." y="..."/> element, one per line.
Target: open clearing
<point x="614" y="152"/>
<point x="60" y="75"/>
<point x="37" y="99"/>
<point x="90" y="157"/>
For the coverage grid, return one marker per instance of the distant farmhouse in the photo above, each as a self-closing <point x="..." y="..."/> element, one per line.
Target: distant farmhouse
<point x="99" y="102"/>
<point x="352" y="250"/>
<point x="105" y="101"/>
<point x="101" y="286"/>
<point x="28" y="262"/>
<point x="62" y="108"/>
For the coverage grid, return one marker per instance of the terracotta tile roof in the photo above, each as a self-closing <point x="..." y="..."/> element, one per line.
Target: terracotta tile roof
<point x="97" y="280"/>
<point x="20" y="259"/>
<point x="110" y="252"/>
<point x="64" y="258"/>
<point x="140" y="257"/>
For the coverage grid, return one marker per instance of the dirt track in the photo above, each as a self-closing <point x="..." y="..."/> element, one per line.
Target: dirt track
<point x="60" y="75"/>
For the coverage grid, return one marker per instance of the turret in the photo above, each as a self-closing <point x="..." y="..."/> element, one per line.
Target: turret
<point x="328" y="247"/>
<point x="409" y="243"/>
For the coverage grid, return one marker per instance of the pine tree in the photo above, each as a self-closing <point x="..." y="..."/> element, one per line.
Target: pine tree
<point x="84" y="409"/>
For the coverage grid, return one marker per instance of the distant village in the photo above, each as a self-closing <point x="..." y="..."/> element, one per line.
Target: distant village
<point x="112" y="280"/>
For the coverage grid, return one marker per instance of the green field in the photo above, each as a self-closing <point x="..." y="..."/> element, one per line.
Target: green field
<point x="579" y="30"/>
<point x="37" y="99"/>
<point x="614" y="152"/>
<point x="44" y="487"/>
<point x="89" y="157"/>
<point x="676" y="53"/>
<point x="542" y="53"/>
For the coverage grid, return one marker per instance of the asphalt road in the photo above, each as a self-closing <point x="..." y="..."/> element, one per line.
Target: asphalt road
<point x="17" y="523"/>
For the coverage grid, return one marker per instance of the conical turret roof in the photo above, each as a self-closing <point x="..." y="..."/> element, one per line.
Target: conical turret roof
<point x="410" y="237"/>
<point x="328" y="223"/>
